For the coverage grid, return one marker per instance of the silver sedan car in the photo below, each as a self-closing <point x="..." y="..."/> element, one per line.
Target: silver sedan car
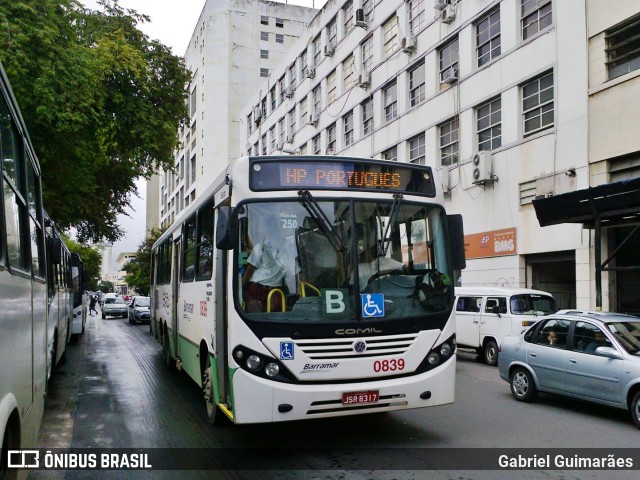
<point x="592" y="356"/>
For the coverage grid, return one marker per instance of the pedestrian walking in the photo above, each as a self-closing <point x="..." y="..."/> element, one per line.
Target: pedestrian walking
<point x="92" y="305"/>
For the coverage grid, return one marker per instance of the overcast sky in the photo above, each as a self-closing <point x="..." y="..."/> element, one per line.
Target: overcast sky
<point x="171" y="22"/>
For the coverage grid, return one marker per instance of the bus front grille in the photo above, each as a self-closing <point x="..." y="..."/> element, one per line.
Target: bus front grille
<point x="341" y="348"/>
<point x="333" y="406"/>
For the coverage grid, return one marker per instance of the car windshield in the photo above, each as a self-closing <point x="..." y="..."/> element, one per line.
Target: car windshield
<point x="117" y="300"/>
<point x="142" y="302"/>
<point x="109" y="300"/>
<point x="533" y="304"/>
<point x="628" y="334"/>
<point x="319" y="259"/>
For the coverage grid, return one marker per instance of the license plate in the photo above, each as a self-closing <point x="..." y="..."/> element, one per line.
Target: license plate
<point x="354" y="398"/>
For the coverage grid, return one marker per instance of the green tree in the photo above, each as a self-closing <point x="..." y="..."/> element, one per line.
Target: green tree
<point x="138" y="270"/>
<point x="102" y="103"/>
<point x="91" y="260"/>
<point x="105" y="287"/>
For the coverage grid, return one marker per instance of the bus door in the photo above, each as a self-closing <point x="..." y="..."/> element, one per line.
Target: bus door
<point x="221" y="321"/>
<point x="175" y="293"/>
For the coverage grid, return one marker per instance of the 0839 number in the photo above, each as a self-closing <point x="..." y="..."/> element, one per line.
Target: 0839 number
<point x="392" y="365"/>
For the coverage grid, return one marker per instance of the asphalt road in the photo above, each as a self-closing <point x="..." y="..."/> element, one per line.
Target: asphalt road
<point x="115" y="392"/>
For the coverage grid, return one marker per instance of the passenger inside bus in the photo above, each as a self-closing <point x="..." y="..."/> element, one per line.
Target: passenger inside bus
<point x="263" y="273"/>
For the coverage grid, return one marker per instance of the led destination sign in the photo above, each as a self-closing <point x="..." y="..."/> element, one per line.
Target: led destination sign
<point x="346" y="175"/>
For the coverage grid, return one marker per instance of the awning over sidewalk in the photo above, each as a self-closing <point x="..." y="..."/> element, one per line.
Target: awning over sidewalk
<point x="614" y="204"/>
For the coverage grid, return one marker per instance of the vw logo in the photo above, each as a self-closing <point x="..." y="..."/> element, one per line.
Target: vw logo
<point x="359" y="346"/>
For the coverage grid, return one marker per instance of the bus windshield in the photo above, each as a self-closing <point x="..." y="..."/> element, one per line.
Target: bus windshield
<point x="338" y="260"/>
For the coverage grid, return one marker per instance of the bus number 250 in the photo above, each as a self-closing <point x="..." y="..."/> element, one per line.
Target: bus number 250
<point x="388" y="365"/>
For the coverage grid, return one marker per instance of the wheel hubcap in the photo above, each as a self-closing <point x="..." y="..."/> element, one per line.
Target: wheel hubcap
<point x="520" y="384"/>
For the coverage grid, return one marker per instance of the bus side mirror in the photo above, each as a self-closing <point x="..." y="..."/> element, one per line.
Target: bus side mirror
<point x="54" y="245"/>
<point x="456" y="239"/>
<point x="226" y="228"/>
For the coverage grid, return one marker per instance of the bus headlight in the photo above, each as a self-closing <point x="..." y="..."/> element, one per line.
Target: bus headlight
<point x="445" y="350"/>
<point x="272" y="369"/>
<point x="433" y="358"/>
<point x="254" y="362"/>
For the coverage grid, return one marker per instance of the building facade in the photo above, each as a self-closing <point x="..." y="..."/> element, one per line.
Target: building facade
<point x="234" y="47"/>
<point x="492" y="94"/>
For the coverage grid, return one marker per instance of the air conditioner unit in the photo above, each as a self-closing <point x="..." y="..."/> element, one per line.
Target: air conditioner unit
<point x="311" y="73"/>
<point x="440" y="4"/>
<point x="450" y="75"/>
<point x="288" y="148"/>
<point x="481" y="164"/>
<point x="360" y="20"/>
<point x="448" y="14"/>
<point x="329" y="50"/>
<point x="312" y="119"/>
<point x="289" y="92"/>
<point x="408" y="44"/>
<point x="364" y="80"/>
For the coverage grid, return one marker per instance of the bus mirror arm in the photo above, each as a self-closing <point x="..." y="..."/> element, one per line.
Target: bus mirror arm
<point x="226" y="227"/>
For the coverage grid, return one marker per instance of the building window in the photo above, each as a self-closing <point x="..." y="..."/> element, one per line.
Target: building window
<point x="488" y="38"/>
<point x="536" y="16"/>
<point x="279" y="38"/>
<point x="317" y="105"/>
<point x="331" y="138"/>
<point x="264" y="20"/>
<point x="417" y="16"/>
<point x="272" y="137"/>
<point x="264" y="72"/>
<point x="367" y="116"/>
<point x="292" y="123"/>
<point x="367" y="6"/>
<point x="347" y="15"/>
<point x="537" y="104"/>
<point x="303" y="149"/>
<point x="417" y="149"/>
<point x="264" y="54"/>
<point x="449" y="142"/>
<point x="390" y="36"/>
<point x="348" y="72"/>
<point x="303" y="65"/>
<point x="316" y="51"/>
<point x="292" y="76"/>
<point x="264" y="144"/>
<point x="303" y="111"/>
<point x="449" y="61"/>
<point x="348" y="128"/>
<point x="281" y="130"/>
<point x="489" y="124"/>
<point x="332" y="33"/>
<point x="390" y="100"/>
<point x="274" y="98"/>
<point x="279" y="22"/>
<point x="390" y="154"/>
<point x="264" y="36"/>
<point x="367" y="54"/>
<point x="331" y="87"/>
<point x="623" y="48"/>
<point x="416" y="85"/>
<point x="316" y="145"/>
<point x="249" y="124"/>
<point x="282" y="88"/>
<point x="263" y="106"/>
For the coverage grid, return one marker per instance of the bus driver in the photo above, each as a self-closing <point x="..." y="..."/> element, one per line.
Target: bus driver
<point x="263" y="273"/>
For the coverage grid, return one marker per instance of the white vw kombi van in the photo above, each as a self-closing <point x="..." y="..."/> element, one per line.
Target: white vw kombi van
<point x="485" y="315"/>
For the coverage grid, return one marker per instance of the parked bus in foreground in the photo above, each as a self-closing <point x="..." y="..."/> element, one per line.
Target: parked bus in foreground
<point x="325" y="289"/>
<point x="23" y="284"/>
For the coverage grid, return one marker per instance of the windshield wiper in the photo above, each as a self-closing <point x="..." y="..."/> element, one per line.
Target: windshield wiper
<point x="383" y="247"/>
<point x="311" y="205"/>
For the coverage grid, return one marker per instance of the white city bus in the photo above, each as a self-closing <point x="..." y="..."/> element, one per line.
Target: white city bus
<point x="354" y="314"/>
<point x="23" y="285"/>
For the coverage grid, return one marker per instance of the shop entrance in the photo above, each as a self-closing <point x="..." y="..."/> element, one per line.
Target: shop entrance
<point x="554" y="273"/>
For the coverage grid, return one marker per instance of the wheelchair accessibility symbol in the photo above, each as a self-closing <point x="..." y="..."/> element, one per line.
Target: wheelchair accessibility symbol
<point x="286" y="351"/>
<point x="372" y="304"/>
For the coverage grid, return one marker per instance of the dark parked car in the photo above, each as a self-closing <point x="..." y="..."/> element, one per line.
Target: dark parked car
<point x="592" y="356"/>
<point x="139" y="310"/>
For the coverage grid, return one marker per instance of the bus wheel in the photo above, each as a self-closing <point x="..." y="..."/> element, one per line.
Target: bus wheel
<point x="491" y="353"/>
<point x="168" y="361"/>
<point x="213" y="412"/>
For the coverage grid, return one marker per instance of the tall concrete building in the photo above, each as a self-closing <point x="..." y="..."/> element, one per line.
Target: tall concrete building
<point x="234" y="46"/>
<point x="506" y="99"/>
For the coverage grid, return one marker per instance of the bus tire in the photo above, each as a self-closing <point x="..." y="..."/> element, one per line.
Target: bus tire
<point x="213" y="412"/>
<point x="491" y="353"/>
<point x="168" y="360"/>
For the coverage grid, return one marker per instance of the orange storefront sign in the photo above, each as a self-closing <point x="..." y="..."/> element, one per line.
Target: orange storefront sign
<point x="496" y="243"/>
